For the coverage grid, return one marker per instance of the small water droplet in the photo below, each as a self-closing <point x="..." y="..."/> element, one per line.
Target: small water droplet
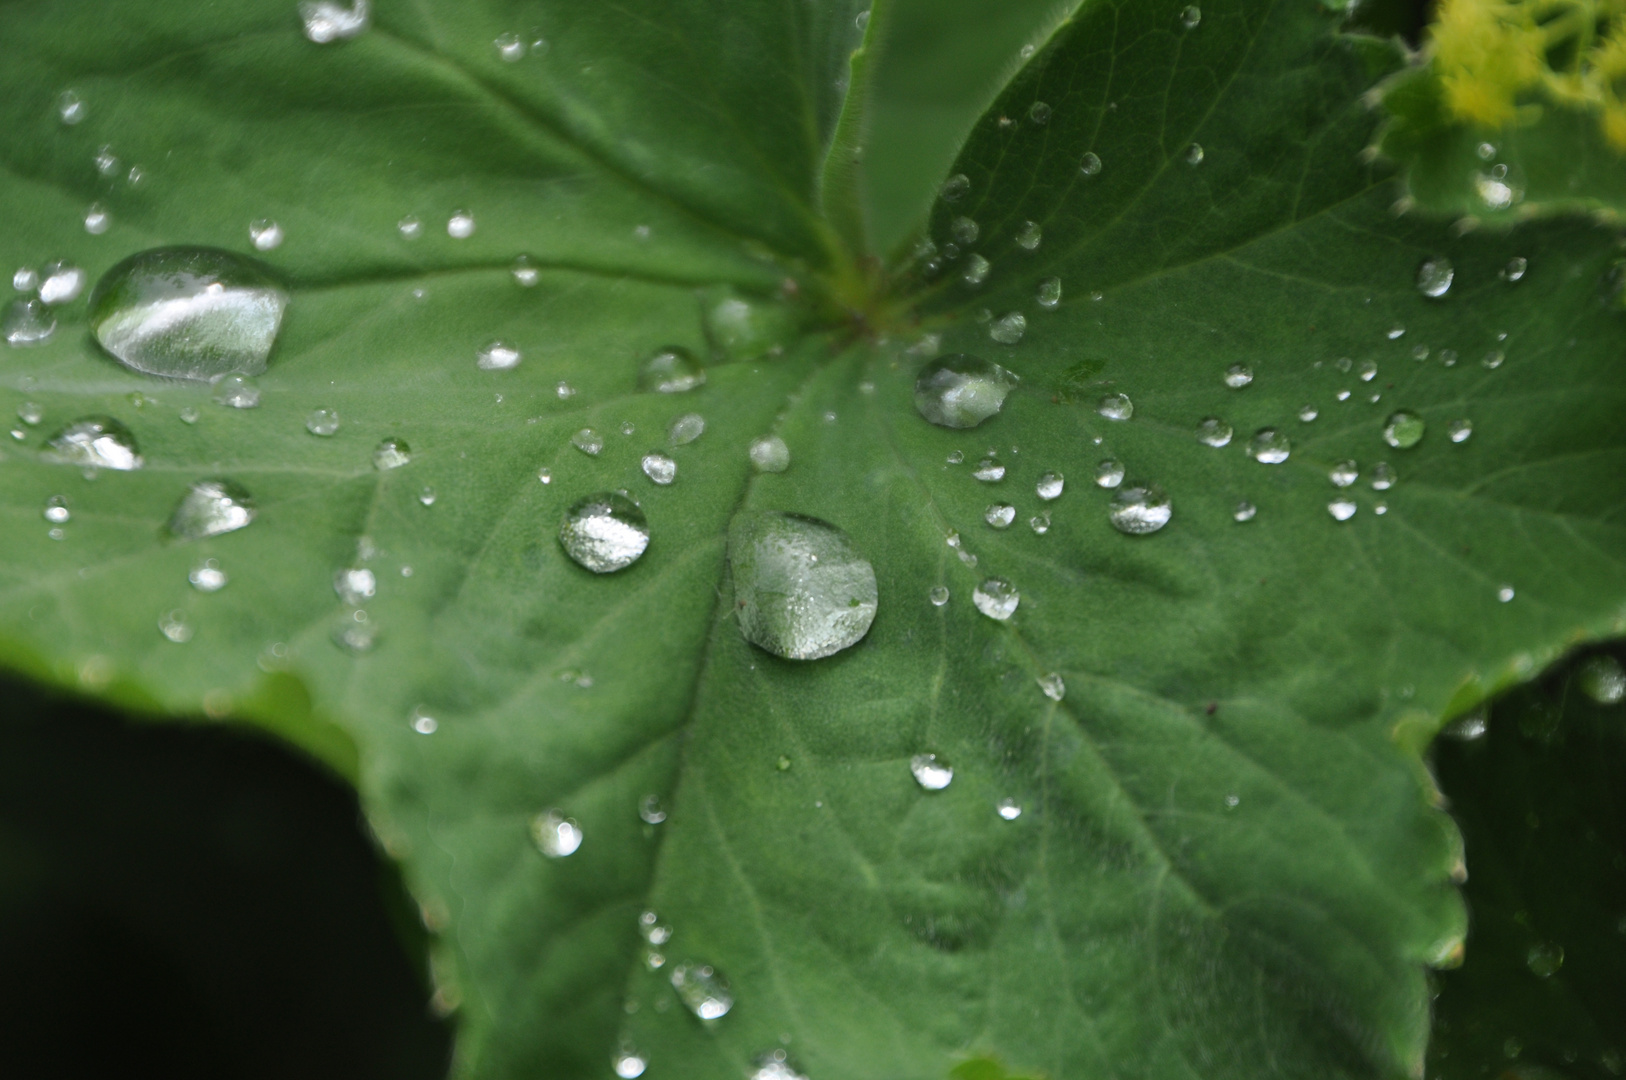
<point x="234" y="391"/>
<point x="939" y="595"/>
<point x="1369" y="371"/>
<point x="955" y="187"/>
<point x="1116" y="407"/>
<point x="1544" y="959"/>
<point x="955" y="457"/>
<point x="191" y="313"/>
<point x="1214" y="432"/>
<point x="189" y="414"/>
<point x="498" y="356"/>
<point x="1403" y="430"/>
<point x="173" y="625"/>
<point x="31" y="412"/>
<point x="1139" y="510"/>
<point x="265" y="233"/>
<point x="1603" y="680"/>
<point x="355" y="586"/>
<point x="210" y="508"/>
<point x="70" y="108"/>
<point x="588" y="441"/>
<point x="1396" y="332"/>
<point x="1039" y="114"/>
<point x="510" y="48"/>
<point x="1515" y="268"/>
<point x="861" y="20"/>
<point x="25" y="280"/>
<point x="686" y="429"/>
<point x="94" y="442"/>
<point x="207" y="576"/>
<point x="628" y="1063"/>
<point x="1342" y="509"/>
<point x="996" y="598"/>
<point x="1344" y="474"/>
<point x="564" y="391"/>
<point x="1040" y="522"/>
<point x="555" y="835"/>
<point x="1053" y="686"/>
<point x="801" y="589"/>
<point x="604" y="533"/>
<point x="391" y="453"/>
<point x="427" y="496"/>
<point x="1269" y="446"/>
<point x="56" y="510"/>
<point x="1505" y="594"/>
<point x="97" y="219"/>
<point x="60" y="282"/>
<point x="545" y="475"/>
<point x="410" y="227"/>
<point x="107" y="163"/>
<point x="649" y="809"/>
<point x="1238" y="375"/>
<point x="702" y="989"/>
<point x="1090" y="164"/>
<point x="1109" y="473"/>
<point x="1191" y="16"/>
<point x="1194" y="154"/>
<point x="1434" y="277"/>
<point x="27" y="322"/>
<point x="1000" y="515"/>
<point x="1049" y="292"/>
<point x="964" y="230"/>
<point x="326" y="20"/>
<point x="976" y="270"/>
<point x="659" y="468"/>
<point x="931" y="772"/>
<point x="769" y="454"/>
<point x="1308" y="413"/>
<point x="1460" y="430"/>
<point x="323" y="422"/>
<point x="1244" y="511"/>
<point x="1028" y="237"/>
<point x="671" y="370"/>
<point x="460" y="226"/>
<point x="989" y="470"/>
<point x="1383" y="476"/>
<point x="1008" y="328"/>
<point x="1050" y="486"/>
<point x="961" y="391"/>
<point x="525" y="275"/>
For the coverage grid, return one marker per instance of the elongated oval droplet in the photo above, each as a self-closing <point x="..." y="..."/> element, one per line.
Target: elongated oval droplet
<point x="672" y="370"/>
<point x="94" y="442"/>
<point x="1140" y="510"/>
<point x="188" y="313"/>
<point x="209" y="508"/>
<point x="703" y="990"/>
<point x="961" y="391"/>
<point x="604" y="533"/>
<point x="801" y="589"/>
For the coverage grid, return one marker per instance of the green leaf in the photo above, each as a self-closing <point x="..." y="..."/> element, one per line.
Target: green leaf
<point x="1227" y="863"/>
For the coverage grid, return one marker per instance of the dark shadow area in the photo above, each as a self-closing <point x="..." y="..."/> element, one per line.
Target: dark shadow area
<point x="1404" y="19"/>
<point x="1540" y="795"/>
<point x="194" y="901"/>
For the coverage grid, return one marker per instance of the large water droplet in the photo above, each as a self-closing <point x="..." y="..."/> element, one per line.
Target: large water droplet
<point x="769" y="454"/>
<point x="1000" y="515"/>
<point x="94" y="442"/>
<point x="702" y="989"/>
<point x="189" y="313"/>
<point x="1434" y="277"/>
<point x="1238" y="375"/>
<point x="1140" y="510"/>
<point x="961" y="391"/>
<point x="1403" y="430"/>
<point x="1008" y="328"/>
<point x="1342" y="509"/>
<point x="1116" y="407"/>
<point x="1214" y="432"/>
<point x="801" y="589"/>
<point x="605" y="532"/>
<point x="1049" y="486"/>
<point x="1028" y="236"/>
<point x="60" y="282"/>
<point x="659" y="468"/>
<point x="498" y="356"/>
<point x="28" y="322"/>
<point x="1269" y="446"/>
<point x="1109" y="473"/>
<point x="672" y="370"/>
<point x="931" y="772"/>
<point x="555" y="835"/>
<point x="996" y="598"/>
<point x="391" y="453"/>
<point x="210" y="508"/>
<point x="1603" y="680"/>
<point x="326" y="20"/>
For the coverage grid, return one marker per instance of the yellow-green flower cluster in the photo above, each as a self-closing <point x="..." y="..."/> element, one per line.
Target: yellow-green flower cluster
<point x="1495" y="58"/>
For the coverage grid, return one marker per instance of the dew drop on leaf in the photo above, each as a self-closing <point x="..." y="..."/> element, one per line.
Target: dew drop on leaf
<point x="996" y="598"/>
<point x="1342" y="509"/>
<point x="410" y="227"/>
<point x="460" y="226"/>
<point x="1008" y="328"/>
<point x="1244" y="511"/>
<point x="964" y="230"/>
<point x="989" y="470"/>
<point x="94" y="442"/>
<point x="510" y="48"/>
<point x="1000" y="515"/>
<point x="1603" y="680"/>
<point x="769" y="454"/>
<point x="1028" y="236"/>
<point x="210" y="508"/>
<point x="649" y="810"/>
<point x="671" y="370"/>
<point x="1403" y="430"/>
<point x="498" y="356"/>
<point x="659" y="468"/>
<point x="1090" y="164"/>
<point x="1116" y="407"/>
<point x="1308" y="413"/>
<point x="31" y="412"/>
<point x="70" y="108"/>
<point x="1544" y="959"/>
<point x="1269" y="446"/>
<point x="1053" y="686"/>
<point x="955" y="187"/>
<point x="931" y="772"/>
<point x="702" y="989"/>
<point x="391" y="453"/>
<point x="686" y="429"/>
<point x="801" y="589"/>
<point x="56" y="510"/>
<point x="187" y="313"/>
<point x="555" y="835"/>
<point x="323" y="422"/>
<point x="939" y="595"/>
<point x="976" y="270"/>
<point x="604" y="533"/>
<point x="1191" y="16"/>
<point x="1460" y="430"/>
<point x="1194" y="154"/>
<point x="265" y="234"/>
<point x="61" y="282"/>
<point x="327" y="20"/>
<point x="1344" y="474"/>
<point x="1039" y="114"/>
<point x="1505" y="594"/>
<point x="961" y="391"/>
<point x="234" y="391"/>
<point x="1214" y="432"/>
<point x="1109" y="473"/>
<point x="1049" y="486"/>
<point x="207" y="576"/>
<point x="1434" y="277"/>
<point x="27" y="322"/>
<point x="1140" y="510"/>
<point x="1515" y="268"/>
<point x="25" y="279"/>
<point x="97" y="219"/>
<point x="588" y="441"/>
<point x="174" y="626"/>
<point x="774" y="1066"/>
<point x="628" y="1063"/>
<point x="1049" y="292"/>
<point x="355" y="586"/>
<point x="1238" y="375"/>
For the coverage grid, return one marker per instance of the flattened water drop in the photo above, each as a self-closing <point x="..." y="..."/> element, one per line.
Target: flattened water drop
<point x="671" y="370"/>
<point x="989" y="470"/>
<point x="1603" y="680"/>
<point x="1434" y="277"/>
<point x="703" y="990"/>
<point x="555" y="835"/>
<point x="1140" y="510"/>
<point x="391" y="453"/>
<point x="94" y="442"/>
<point x="801" y="589"/>
<point x="525" y="275"/>
<point x="1344" y="474"/>
<point x="210" y="508"/>
<point x="961" y="391"/>
<point x="322" y="422"/>
<point x="1028" y="236"/>
<point x="27" y="322"/>
<point x="1403" y="430"/>
<point x="1460" y="430"/>
<point x="1214" y="432"/>
<point x="955" y="187"/>
<point x="498" y="356"/>
<point x="265" y="234"/>
<point x="1049" y="292"/>
<point x="1342" y="509"/>
<point x="207" y="576"/>
<point x="931" y="772"/>
<point x="1244" y="511"/>
<point x="1000" y="515"/>
<point x="326" y="20"/>
<point x="1053" y="686"/>
<point x="686" y="429"/>
<point x="235" y="391"/>
<point x="588" y="441"/>
<point x="1238" y="375"/>
<point x="1008" y="328"/>
<point x="1308" y="413"/>
<point x="460" y="226"/>
<point x="1269" y="446"/>
<point x="996" y="598"/>
<point x="769" y="454"/>
<point x="659" y="468"/>
<point x="1039" y="114"/>
<point x="604" y="533"/>
<point x="187" y="313"/>
<point x="1049" y="486"/>
<point x="1116" y="407"/>
<point x="976" y="269"/>
<point x="1109" y="473"/>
